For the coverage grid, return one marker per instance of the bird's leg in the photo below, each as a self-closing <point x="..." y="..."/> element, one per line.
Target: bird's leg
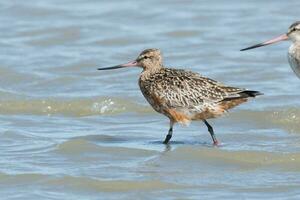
<point x="211" y="131"/>
<point x="169" y="135"/>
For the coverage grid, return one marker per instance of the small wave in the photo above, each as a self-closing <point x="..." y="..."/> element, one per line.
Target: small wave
<point x="285" y="118"/>
<point x="72" y="107"/>
<point x="245" y="159"/>
<point x="289" y="119"/>
<point x="21" y="178"/>
<point x="86" y="183"/>
<point x="182" y="33"/>
<point x="18" y="143"/>
<point x="112" y="185"/>
<point x="81" y="146"/>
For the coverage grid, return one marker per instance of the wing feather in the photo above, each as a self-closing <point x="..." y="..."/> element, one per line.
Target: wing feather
<point x="185" y="89"/>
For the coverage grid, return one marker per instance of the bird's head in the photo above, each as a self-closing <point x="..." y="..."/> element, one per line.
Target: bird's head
<point x="150" y="58"/>
<point x="294" y="32"/>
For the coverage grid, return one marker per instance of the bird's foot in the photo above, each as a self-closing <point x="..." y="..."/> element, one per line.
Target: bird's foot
<point x="216" y="143"/>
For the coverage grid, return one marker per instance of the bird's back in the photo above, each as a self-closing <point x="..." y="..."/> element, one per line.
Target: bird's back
<point x="190" y="94"/>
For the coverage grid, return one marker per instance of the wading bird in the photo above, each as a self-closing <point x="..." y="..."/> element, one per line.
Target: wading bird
<point x="182" y="95"/>
<point x="294" y="51"/>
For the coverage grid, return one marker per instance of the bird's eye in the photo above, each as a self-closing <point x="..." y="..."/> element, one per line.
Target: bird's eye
<point x="295" y="29"/>
<point x="143" y="57"/>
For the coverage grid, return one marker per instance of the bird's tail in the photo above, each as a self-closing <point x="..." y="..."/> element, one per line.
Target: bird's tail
<point x="249" y="93"/>
<point x="243" y="95"/>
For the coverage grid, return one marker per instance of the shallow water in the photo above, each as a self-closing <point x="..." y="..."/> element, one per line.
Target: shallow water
<point x="69" y="131"/>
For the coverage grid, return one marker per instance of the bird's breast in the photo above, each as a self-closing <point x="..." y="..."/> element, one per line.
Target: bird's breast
<point x="148" y="92"/>
<point x="294" y="58"/>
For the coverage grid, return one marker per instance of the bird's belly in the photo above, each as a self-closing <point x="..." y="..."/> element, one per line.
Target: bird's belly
<point x="294" y="61"/>
<point x="176" y="115"/>
<point x="185" y="115"/>
<point x="207" y="113"/>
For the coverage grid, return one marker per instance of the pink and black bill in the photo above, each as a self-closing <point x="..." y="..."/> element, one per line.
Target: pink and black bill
<point x="272" y="41"/>
<point x="129" y="64"/>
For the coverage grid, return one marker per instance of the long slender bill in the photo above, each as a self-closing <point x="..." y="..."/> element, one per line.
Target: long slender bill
<point x="129" y="64"/>
<point x="272" y="41"/>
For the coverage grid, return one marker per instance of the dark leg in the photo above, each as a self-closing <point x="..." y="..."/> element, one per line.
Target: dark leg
<point x="211" y="131"/>
<point x="169" y="135"/>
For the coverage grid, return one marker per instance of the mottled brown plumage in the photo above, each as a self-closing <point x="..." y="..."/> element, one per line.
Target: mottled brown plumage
<point x="183" y="95"/>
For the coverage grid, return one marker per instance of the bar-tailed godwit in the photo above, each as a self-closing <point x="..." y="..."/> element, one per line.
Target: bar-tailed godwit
<point x="294" y="51"/>
<point x="182" y="95"/>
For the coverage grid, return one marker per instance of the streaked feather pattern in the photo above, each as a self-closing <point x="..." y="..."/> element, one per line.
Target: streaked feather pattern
<point x="187" y="92"/>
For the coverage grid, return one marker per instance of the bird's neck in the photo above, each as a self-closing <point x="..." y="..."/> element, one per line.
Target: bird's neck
<point x="149" y="71"/>
<point x="295" y="48"/>
<point x="296" y="42"/>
